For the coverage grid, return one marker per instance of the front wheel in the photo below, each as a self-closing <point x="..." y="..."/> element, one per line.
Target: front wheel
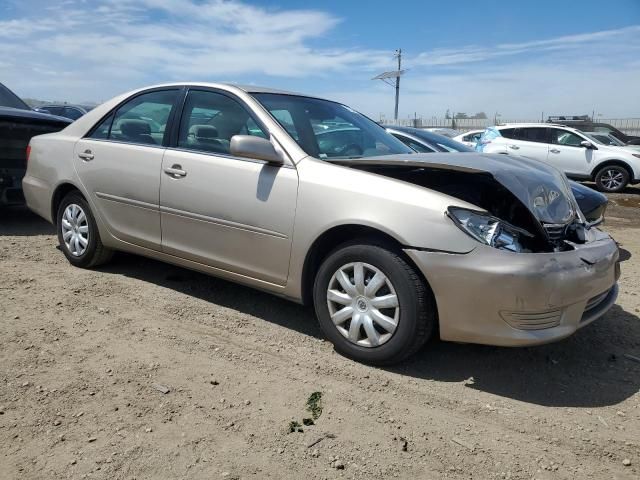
<point x="372" y="305"/>
<point x="612" y="178"/>
<point x="78" y="233"/>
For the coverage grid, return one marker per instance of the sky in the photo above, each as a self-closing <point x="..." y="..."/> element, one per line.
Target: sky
<point x="518" y="59"/>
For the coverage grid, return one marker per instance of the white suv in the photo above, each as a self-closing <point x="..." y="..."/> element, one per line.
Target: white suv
<point x="569" y="150"/>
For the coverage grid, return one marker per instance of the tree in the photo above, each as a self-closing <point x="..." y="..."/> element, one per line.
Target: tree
<point x="481" y="115"/>
<point x="461" y="115"/>
<point x="447" y="115"/>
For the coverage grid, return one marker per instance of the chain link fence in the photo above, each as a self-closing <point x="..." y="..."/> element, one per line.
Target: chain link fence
<point x="629" y="126"/>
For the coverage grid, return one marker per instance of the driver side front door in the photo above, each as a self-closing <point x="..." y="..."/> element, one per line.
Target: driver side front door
<point x="235" y="214"/>
<point x="566" y="153"/>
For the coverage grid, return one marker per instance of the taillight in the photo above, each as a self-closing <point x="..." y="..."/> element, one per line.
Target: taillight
<point x="28" y="152"/>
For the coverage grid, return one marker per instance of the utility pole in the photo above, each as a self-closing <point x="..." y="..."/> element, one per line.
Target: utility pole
<point x="387" y="76"/>
<point x="399" y="55"/>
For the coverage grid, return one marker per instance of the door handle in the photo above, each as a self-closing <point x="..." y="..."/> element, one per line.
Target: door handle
<point x="86" y="155"/>
<point x="554" y="150"/>
<point x="514" y="147"/>
<point x="175" y="171"/>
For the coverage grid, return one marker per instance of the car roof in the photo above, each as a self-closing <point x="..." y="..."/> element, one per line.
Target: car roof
<point x="44" y="105"/>
<point x="424" y="136"/>
<point x="531" y="124"/>
<point x="225" y="85"/>
<point x="536" y="125"/>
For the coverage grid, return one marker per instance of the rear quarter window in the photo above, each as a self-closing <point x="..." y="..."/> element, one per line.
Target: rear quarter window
<point x="509" y="132"/>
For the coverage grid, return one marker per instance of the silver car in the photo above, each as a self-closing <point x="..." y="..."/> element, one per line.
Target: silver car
<point x="308" y="199"/>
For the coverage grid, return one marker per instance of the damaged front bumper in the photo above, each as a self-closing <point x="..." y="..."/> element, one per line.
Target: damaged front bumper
<point x="496" y="297"/>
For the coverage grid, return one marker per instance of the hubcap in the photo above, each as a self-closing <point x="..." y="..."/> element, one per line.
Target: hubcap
<point x="612" y="179"/>
<point x="75" y="229"/>
<point x="363" y="304"/>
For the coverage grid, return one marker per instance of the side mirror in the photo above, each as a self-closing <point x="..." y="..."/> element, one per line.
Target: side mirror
<point x="587" y="144"/>
<point x="255" y="147"/>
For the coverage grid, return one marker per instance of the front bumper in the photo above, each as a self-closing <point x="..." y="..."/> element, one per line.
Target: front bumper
<point x="502" y="298"/>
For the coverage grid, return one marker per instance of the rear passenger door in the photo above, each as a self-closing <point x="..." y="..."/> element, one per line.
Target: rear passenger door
<point x="119" y="164"/>
<point x="232" y="213"/>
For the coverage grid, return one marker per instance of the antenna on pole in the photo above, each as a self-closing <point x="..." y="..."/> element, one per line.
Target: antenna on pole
<point x="387" y="76"/>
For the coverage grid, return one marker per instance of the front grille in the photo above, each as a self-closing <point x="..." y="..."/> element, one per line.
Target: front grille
<point x="555" y="231"/>
<point x="532" y="320"/>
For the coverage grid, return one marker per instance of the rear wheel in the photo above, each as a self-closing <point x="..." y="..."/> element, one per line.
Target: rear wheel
<point x="78" y="234"/>
<point x="372" y="305"/>
<point x="612" y="178"/>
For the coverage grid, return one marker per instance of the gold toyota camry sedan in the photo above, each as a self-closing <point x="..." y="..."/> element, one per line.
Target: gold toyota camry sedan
<point x="310" y="200"/>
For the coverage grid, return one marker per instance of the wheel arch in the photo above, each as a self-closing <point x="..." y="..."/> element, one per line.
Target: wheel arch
<point x="338" y="235"/>
<point x="612" y="162"/>
<point x="59" y="193"/>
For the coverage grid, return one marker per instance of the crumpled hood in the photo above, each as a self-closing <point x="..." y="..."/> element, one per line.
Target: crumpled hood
<point x="543" y="189"/>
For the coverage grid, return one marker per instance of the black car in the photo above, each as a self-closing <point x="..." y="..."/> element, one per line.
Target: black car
<point x="585" y="124"/>
<point x="593" y="204"/>
<point x="18" y="123"/>
<point x="72" y="112"/>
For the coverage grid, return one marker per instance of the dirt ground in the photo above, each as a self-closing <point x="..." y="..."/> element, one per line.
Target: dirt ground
<point x="85" y="357"/>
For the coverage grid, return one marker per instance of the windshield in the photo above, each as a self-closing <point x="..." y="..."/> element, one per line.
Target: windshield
<point x="325" y="129"/>
<point x="10" y="99"/>
<point x="605" y="139"/>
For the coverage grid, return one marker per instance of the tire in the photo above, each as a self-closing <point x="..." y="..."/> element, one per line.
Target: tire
<point x="612" y="178"/>
<point x="75" y="216"/>
<point x="415" y="315"/>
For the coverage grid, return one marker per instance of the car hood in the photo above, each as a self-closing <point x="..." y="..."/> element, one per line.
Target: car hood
<point x="543" y="189"/>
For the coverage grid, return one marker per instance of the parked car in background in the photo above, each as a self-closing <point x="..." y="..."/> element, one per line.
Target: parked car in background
<point x="592" y="204"/>
<point x="608" y="139"/>
<point x="425" y="141"/>
<point x="390" y="246"/>
<point x="611" y="167"/>
<point x="586" y="124"/>
<point x="72" y="112"/>
<point x="470" y="138"/>
<point x="447" y="132"/>
<point x="18" y="123"/>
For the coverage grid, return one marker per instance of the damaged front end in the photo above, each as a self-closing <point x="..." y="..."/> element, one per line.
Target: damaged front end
<point x="527" y="206"/>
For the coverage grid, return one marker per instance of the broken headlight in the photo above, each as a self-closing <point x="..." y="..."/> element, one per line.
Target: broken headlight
<point x="488" y="229"/>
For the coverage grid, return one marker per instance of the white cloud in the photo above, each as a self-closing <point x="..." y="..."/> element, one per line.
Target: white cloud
<point x="582" y="43"/>
<point x="81" y="50"/>
<point x="125" y="43"/>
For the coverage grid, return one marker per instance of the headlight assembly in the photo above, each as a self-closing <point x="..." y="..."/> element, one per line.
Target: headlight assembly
<point x="488" y="229"/>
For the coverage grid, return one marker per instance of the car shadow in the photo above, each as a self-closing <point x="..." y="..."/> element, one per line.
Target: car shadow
<point x="588" y="369"/>
<point x="217" y="291"/>
<point x="20" y="221"/>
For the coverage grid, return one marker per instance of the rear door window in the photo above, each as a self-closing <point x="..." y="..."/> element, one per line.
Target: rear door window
<point x="72" y="113"/>
<point x="533" y="134"/>
<point x="54" y="110"/>
<point x="141" y="120"/>
<point x="508" y="132"/>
